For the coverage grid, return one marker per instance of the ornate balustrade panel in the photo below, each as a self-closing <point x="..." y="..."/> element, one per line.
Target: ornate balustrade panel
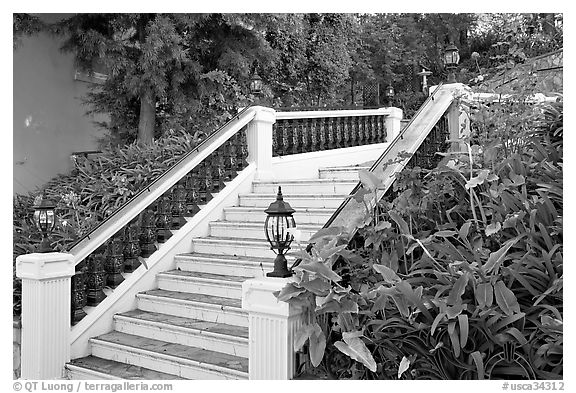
<point x="305" y="132"/>
<point x="124" y="251"/>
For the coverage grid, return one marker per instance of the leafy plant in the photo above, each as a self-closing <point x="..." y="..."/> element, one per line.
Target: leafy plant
<point x="459" y="275"/>
<point x="98" y="186"/>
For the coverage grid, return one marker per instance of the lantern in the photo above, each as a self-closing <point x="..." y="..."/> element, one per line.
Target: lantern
<point x="389" y="92"/>
<point x="255" y="84"/>
<point x="279" y="222"/>
<point x="45" y="220"/>
<point x="451" y="60"/>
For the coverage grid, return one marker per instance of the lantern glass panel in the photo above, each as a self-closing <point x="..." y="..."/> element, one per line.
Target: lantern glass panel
<point x="278" y="231"/>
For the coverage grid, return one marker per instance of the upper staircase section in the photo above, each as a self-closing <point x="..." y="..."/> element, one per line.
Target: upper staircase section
<point x="132" y="235"/>
<point x="428" y="132"/>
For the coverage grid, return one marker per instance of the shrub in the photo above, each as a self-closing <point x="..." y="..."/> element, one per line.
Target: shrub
<point x="96" y="189"/>
<point x="459" y="275"/>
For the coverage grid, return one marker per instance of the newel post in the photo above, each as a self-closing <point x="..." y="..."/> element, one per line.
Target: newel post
<point x="46" y="280"/>
<point x="393" y="123"/>
<point x="272" y="328"/>
<point x="458" y="123"/>
<point x="259" y="139"/>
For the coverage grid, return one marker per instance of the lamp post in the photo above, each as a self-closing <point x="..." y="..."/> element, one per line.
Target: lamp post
<point x="278" y="223"/>
<point x="389" y="94"/>
<point x="256" y="86"/>
<point x="424" y="74"/>
<point x="451" y="60"/>
<point x="45" y="220"/>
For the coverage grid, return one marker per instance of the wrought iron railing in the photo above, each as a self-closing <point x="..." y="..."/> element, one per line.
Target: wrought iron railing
<point x="102" y="263"/>
<point x="317" y="132"/>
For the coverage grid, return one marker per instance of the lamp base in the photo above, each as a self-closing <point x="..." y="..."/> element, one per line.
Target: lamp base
<point x="280" y="268"/>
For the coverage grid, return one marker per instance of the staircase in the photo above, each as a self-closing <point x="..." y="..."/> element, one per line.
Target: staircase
<point x="193" y="325"/>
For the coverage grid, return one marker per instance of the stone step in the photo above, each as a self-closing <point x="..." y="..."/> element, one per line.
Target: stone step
<point x="171" y="358"/>
<point x="306" y="186"/>
<point x="254" y="230"/>
<point x="256" y="214"/>
<point x="224" y="264"/>
<point x="205" y="283"/>
<point x="297" y="201"/>
<point x="237" y="247"/>
<point x="341" y="173"/>
<point x="193" y="305"/>
<point x="94" y="368"/>
<point x="212" y="336"/>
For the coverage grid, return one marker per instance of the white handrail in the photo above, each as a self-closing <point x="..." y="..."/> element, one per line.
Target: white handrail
<point x="337" y="113"/>
<point x="126" y="213"/>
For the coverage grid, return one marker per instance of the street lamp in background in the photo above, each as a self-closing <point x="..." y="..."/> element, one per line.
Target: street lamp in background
<point x="424" y="74"/>
<point x="279" y="222"/>
<point x="389" y="94"/>
<point x="45" y="220"/>
<point x="451" y="60"/>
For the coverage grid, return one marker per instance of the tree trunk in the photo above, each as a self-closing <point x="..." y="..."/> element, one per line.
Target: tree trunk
<point x="147" y="117"/>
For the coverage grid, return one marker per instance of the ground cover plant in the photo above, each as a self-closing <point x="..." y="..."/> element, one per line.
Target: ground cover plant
<point x="458" y="274"/>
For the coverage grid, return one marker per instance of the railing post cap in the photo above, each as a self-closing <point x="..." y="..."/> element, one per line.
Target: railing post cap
<point x="44" y="266"/>
<point x="265" y="114"/>
<point x="258" y="297"/>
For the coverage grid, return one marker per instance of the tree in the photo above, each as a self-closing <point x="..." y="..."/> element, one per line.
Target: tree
<point x="165" y="70"/>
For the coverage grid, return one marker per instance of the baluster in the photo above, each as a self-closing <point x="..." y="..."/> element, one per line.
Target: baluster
<point x="361" y="131"/>
<point x="379" y="130"/>
<point x="339" y="132"/>
<point x="322" y="134"/>
<point x="147" y="233"/>
<point x="304" y="132"/>
<point x="354" y="131"/>
<point x="208" y="183"/>
<point x="131" y="247"/>
<point x="114" y="264"/>
<point x="347" y="131"/>
<point x="229" y="160"/>
<point x="296" y="147"/>
<point x="192" y="197"/>
<point x="276" y="132"/>
<point x="217" y="162"/>
<point x="286" y="138"/>
<point x="331" y="133"/>
<point x="178" y="208"/>
<point x="372" y="129"/>
<point x="164" y="219"/>
<point x="95" y="277"/>
<point x="200" y="183"/>
<point x="241" y="150"/>
<point x="79" y="296"/>
<point x="314" y="142"/>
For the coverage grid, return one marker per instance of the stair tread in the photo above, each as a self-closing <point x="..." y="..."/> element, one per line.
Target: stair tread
<point x="260" y="225"/>
<point x="120" y="370"/>
<point x="188" y="323"/>
<point x="321" y="210"/>
<point x="233" y="239"/>
<point x="184" y="273"/>
<point x="296" y="181"/>
<point x="203" y="356"/>
<point x="196" y="297"/>
<point x="236" y="258"/>
<point x="288" y="196"/>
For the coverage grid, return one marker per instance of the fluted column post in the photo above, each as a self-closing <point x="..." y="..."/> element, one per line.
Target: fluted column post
<point x="259" y="138"/>
<point x="46" y="280"/>
<point x="272" y="328"/>
<point x="458" y="124"/>
<point x="393" y="123"/>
